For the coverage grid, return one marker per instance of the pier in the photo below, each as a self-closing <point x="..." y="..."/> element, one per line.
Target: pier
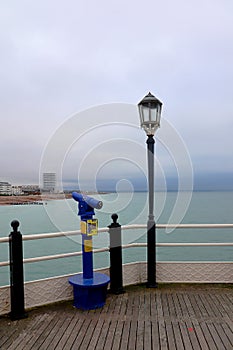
<point x="172" y="316"/>
<point x="192" y="308"/>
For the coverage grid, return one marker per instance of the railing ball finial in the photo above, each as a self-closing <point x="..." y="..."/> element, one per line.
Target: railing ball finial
<point x="114" y="218"/>
<point x="15" y="225"/>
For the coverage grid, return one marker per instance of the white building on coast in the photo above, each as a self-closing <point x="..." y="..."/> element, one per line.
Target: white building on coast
<point x="50" y="182"/>
<point x="5" y="188"/>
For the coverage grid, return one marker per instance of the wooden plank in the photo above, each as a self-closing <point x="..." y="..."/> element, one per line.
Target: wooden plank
<point x="183" y="306"/>
<point x="132" y="334"/>
<point x="140" y="335"/>
<point x="159" y="306"/>
<point x="82" y="338"/>
<point x="155" y="335"/>
<point x="111" y="307"/>
<point x="177" y="335"/>
<point x="141" y="306"/>
<point x="191" y="305"/>
<point x="178" y="309"/>
<point x="8" y="333"/>
<point x="110" y="335"/>
<point x="200" y="336"/>
<point x="208" y="336"/>
<point x="105" y="309"/>
<point x="171" y="306"/>
<point x="92" y="334"/>
<point x="123" y="308"/>
<point x="48" y="334"/>
<point x="170" y="335"/>
<point x="69" y="340"/>
<point x="229" y="332"/>
<point x="185" y="336"/>
<point x="135" y="305"/>
<point x="162" y="336"/>
<point x="26" y="339"/>
<point x="125" y="335"/>
<point x="210" y="305"/>
<point x="226" y="304"/>
<point x="215" y="336"/>
<point x="63" y="329"/>
<point x="223" y="336"/>
<point x="153" y="306"/>
<point x="118" y="302"/>
<point x="129" y="303"/>
<point x="147" y="306"/>
<point x="117" y="335"/>
<point x="192" y="335"/>
<point x="147" y="335"/>
<point x="103" y="336"/>
<point x="73" y="327"/>
<point x="164" y="304"/>
<point x="219" y="304"/>
<point x="18" y="337"/>
<point x="57" y="331"/>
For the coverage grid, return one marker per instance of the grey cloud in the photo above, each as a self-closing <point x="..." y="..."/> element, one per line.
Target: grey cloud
<point x="61" y="57"/>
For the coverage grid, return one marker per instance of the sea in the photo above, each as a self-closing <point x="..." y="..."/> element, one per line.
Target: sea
<point x="132" y="208"/>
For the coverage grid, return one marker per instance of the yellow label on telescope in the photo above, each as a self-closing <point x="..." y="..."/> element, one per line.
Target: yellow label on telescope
<point x="87" y="245"/>
<point x="92" y="227"/>
<point x="83" y="227"/>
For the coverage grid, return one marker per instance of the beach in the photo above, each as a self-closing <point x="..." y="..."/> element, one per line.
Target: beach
<point x="36" y="198"/>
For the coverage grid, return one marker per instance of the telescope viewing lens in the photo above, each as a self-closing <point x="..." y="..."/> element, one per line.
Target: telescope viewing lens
<point x="92" y="202"/>
<point x="100" y="204"/>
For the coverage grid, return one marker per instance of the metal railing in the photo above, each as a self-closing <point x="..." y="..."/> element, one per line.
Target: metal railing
<point x="127" y="246"/>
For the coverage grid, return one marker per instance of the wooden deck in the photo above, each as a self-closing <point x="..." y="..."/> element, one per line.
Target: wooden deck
<point x="169" y="317"/>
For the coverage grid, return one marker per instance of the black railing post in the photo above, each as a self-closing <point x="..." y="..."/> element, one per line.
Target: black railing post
<point x="16" y="273"/>
<point x="116" y="280"/>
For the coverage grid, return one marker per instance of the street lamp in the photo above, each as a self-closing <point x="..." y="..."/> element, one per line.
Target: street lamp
<point x="150" y="113"/>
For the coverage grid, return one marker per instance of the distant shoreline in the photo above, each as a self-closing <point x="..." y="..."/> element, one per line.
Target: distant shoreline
<point x="32" y="199"/>
<point x="40" y="199"/>
<point x="36" y="198"/>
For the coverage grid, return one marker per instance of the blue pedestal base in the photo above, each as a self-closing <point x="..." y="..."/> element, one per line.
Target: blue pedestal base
<point x="89" y="293"/>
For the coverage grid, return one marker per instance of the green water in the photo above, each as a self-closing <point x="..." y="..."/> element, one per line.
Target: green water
<point x="205" y="207"/>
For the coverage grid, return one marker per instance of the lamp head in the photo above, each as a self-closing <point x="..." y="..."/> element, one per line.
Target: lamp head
<point x="150" y="113"/>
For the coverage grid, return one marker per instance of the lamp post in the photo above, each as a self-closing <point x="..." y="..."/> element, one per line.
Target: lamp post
<point x="150" y="113"/>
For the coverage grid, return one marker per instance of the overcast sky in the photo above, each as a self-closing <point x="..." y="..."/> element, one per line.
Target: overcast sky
<point x="62" y="57"/>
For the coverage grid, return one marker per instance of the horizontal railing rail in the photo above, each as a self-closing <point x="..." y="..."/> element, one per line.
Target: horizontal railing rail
<point x="123" y="227"/>
<point x="132" y="245"/>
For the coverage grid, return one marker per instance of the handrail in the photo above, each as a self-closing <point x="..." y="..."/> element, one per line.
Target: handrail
<point x="124" y="227"/>
<point x="51" y="235"/>
<point x="126" y="246"/>
<point x="52" y="257"/>
<point x="43" y="235"/>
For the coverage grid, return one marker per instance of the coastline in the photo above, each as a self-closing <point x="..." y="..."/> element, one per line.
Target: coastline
<point x="37" y="198"/>
<point x="32" y="199"/>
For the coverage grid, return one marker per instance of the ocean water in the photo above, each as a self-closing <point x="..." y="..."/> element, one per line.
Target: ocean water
<point x="61" y="215"/>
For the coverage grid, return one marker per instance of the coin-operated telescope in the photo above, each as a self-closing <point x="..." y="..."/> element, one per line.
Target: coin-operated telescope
<point x="86" y="205"/>
<point x="90" y="287"/>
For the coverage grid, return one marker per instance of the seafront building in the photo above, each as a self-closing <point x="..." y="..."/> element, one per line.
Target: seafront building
<point x="5" y="188"/>
<point x="17" y="190"/>
<point x="30" y="189"/>
<point x="49" y="182"/>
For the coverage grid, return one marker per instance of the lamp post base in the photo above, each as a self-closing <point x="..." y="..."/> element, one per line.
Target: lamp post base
<point x="151" y="254"/>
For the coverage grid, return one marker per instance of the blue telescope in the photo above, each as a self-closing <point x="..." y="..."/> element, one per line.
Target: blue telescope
<point x="92" y="202"/>
<point x="90" y="287"/>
